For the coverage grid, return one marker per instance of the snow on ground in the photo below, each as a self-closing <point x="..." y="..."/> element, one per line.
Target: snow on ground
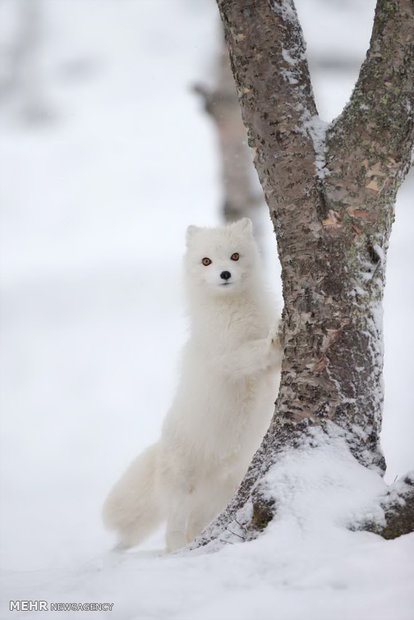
<point x="94" y="206"/>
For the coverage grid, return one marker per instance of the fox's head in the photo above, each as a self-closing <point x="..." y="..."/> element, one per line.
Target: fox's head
<point x="222" y="260"/>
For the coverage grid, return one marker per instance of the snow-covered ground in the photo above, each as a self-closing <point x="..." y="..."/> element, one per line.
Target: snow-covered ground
<point x="94" y="206"/>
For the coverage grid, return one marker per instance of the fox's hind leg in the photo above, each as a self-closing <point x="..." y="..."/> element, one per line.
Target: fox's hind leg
<point x="208" y="502"/>
<point x="177" y="523"/>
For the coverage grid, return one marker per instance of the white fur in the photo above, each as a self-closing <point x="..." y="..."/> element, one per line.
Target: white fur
<point x="224" y="401"/>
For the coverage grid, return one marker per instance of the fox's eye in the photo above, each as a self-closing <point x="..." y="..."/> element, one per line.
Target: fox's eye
<point x="206" y="261"/>
<point x="235" y="256"/>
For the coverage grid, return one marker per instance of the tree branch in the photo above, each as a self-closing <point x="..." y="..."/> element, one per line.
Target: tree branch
<point x="369" y="146"/>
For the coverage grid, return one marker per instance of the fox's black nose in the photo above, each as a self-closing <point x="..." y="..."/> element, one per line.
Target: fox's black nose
<point x="225" y="275"/>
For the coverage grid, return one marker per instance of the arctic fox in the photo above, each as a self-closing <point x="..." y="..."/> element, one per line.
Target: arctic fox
<point x="224" y="401"/>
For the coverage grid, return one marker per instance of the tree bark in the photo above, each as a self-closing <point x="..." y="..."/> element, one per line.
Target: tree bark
<point x="330" y="192"/>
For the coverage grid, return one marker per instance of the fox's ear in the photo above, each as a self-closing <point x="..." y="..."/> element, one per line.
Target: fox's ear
<point x="245" y="225"/>
<point x="191" y="231"/>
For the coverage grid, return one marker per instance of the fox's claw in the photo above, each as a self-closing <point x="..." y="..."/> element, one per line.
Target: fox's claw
<point x="273" y="336"/>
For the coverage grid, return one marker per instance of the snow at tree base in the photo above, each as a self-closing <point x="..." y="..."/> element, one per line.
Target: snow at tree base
<point x="96" y="194"/>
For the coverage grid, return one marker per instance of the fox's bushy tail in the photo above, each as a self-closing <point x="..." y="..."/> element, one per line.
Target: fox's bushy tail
<point x="133" y="507"/>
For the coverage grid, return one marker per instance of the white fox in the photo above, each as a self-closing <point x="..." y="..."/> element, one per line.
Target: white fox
<point x="224" y="400"/>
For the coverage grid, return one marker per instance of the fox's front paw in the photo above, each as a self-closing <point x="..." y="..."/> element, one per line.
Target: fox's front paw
<point x="274" y="347"/>
<point x="273" y="336"/>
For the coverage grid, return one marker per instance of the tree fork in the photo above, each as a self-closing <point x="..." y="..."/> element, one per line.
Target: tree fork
<point x="330" y="195"/>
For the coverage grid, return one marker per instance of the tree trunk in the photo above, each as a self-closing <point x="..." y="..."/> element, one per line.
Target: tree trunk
<point x="242" y="194"/>
<point x="330" y="192"/>
<point x="25" y="78"/>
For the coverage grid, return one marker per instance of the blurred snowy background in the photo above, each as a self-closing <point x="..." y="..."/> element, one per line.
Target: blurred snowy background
<point x="105" y="157"/>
